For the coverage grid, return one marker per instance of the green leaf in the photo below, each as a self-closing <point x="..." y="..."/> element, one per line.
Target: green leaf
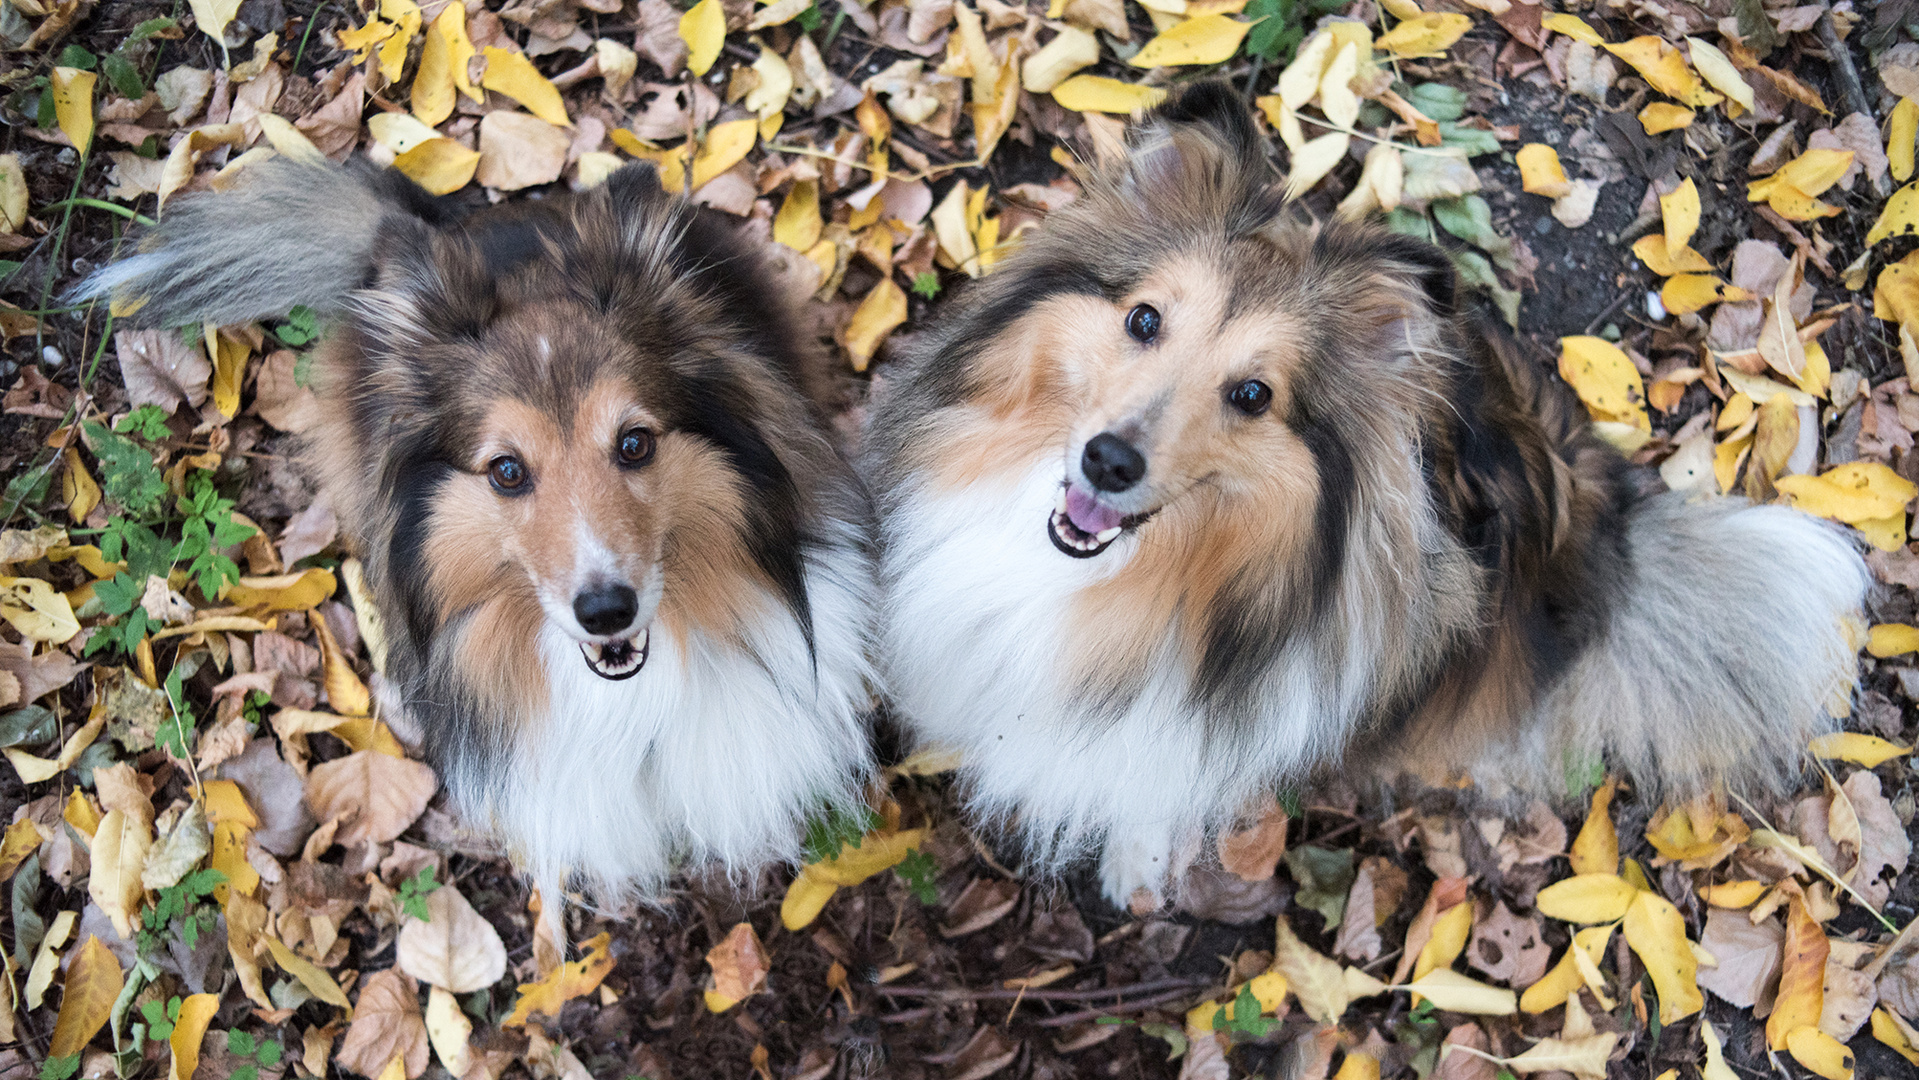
<point x="270" y="1053"/>
<point x="248" y="1071"/>
<point x="413" y="891"/>
<point x="241" y="1043"/>
<point x="73" y="56"/>
<point x="151" y="27"/>
<point x="147" y="421"/>
<point x="927" y="284"/>
<point x="918" y="870"/>
<point x="300" y="328"/>
<point x="833" y="828"/>
<point x="29" y="726"/>
<point x="7" y="267"/>
<point x="123" y="75"/>
<point x="1245" y="1018"/>
<point x="1324" y="876"/>
<point x="128" y="474"/>
<point x="59" y="1068"/>
<point x="1438" y="101"/>
<point x="811" y="18"/>
<point x="1473" y="140"/>
<point x="29" y="929"/>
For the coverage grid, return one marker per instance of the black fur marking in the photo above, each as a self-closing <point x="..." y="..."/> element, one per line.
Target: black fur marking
<point x="414" y="476"/>
<point x="775" y="536"/>
<point x="507" y="245"/>
<point x="948" y="375"/>
<point x="1251" y="625"/>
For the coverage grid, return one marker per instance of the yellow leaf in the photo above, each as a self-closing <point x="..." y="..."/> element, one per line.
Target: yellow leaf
<point x="883" y="309"/>
<point x="512" y="74"/>
<point x="1665" y="70"/>
<point x="1802" y="977"/>
<point x="1314" y="160"/>
<point x="1596" y="849"/>
<point x="77" y="488"/>
<point x="1820" y="1052"/>
<point x="73" y="105"/>
<point x="877" y="852"/>
<point x="36" y="611"/>
<point x="299" y="591"/>
<point x="1096" y="93"/>
<point x="1651" y="249"/>
<point x="1900" y="216"/>
<point x="1867" y="750"/>
<point x="92" y="984"/>
<point x="1854" y="492"/>
<point x="33" y="770"/>
<point x="805" y="899"/>
<point x="1450" y="931"/>
<point x="1573" y="27"/>
<point x="1427" y="35"/>
<point x="798" y="225"/>
<point x="395" y="1069"/>
<point x="1587" y="898"/>
<point x="1895" y="295"/>
<point x="1584" y="1056"/>
<point x="768" y="99"/>
<point x="229" y="358"/>
<point x="120" y="848"/>
<point x="1680" y="212"/>
<point x="344" y="690"/>
<point x="703" y="28"/>
<point x="1892" y="639"/>
<point x="1720" y="72"/>
<point x="362" y="40"/>
<point x="405" y="17"/>
<point x="19" y="841"/>
<point x="1209" y="39"/>
<point x="739" y="965"/>
<point x="1901" y="131"/>
<point x="1683" y="294"/>
<point x="1810" y="174"/>
<point x="229" y="856"/>
<point x="81" y="813"/>
<point x="1270" y="990"/>
<point x="1358" y="1066"/>
<point x="566" y="982"/>
<point x="1453" y="992"/>
<point x="448" y="1028"/>
<point x="1605" y="379"/>
<point x="1715" y="1067"/>
<point x="1894" y="1032"/>
<point x="725" y="146"/>
<point x="778" y="13"/>
<point x="1299" y="82"/>
<point x="1657" y="933"/>
<point x="441" y="166"/>
<point x="1068" y="52"/>
<point x="1733" y="894"/>
<point x="1540" y="172"/>
<point x="317" y="982"/>
<point x="1663" y="116"/>
<point x="212" y="17"/>
<point x="188" y="1031"/>
<point x="400" y="132"/>
<point x="443" y="61"/>
<point x="289" y="140"/>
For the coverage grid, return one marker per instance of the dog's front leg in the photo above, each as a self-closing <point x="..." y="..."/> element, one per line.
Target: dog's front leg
<point x="1143" y="863"/>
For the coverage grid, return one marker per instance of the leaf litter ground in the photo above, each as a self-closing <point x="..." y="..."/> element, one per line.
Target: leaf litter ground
<point x="218" y="865"/>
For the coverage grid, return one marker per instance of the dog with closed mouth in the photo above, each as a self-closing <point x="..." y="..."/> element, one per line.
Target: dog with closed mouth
<point x="1186" y="502"/>
<point x="628" y="576"/>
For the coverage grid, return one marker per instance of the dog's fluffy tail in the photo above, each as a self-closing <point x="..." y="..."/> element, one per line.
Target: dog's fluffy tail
<point x="1727" y="645"/>
<point x="291" y="234"/>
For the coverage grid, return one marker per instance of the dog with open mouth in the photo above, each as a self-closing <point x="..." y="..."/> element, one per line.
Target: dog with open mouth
<point x="627" y="575"/>
<point x="1187" y="502"/>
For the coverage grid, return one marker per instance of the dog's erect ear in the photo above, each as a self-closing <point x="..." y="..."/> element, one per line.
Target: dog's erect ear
<point x="1214" y="107"/>
<point x="634" y="188"/>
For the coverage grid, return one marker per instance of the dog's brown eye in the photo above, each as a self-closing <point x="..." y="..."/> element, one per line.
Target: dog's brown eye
<point x="1251" y="397"/>
<point x="636" y="446"/>
<point x="507" y="474"/>
<point x="1142" y="323"/>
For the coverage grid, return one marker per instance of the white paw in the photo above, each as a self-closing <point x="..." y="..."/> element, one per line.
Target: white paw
<point x="1138" y="870"/>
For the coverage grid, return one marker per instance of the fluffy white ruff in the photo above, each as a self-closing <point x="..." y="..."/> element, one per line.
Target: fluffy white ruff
<point x="977" y="600"/>
<point x="712" y="753"/>
<point x="1725" y="650"/>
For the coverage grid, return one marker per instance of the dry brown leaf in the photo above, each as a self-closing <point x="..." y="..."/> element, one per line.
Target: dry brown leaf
<point x="454" y="948"/>
<point x="1884" y="847"/>
<point x="1253" y="853"/>
<point x="982" y="903"/>
<point x="375" y="795"/>
<point x="1748" y="955"/>
<point x="386" y="1023"/>
<point x="1508" y="948"/>
<point x="1802" y="977"/>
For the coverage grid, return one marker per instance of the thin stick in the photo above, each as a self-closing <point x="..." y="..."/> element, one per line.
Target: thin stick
<point x="1069" y="1019"/>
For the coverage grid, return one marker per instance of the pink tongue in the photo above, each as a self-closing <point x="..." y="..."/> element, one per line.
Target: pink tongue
<point x="1087" y="514"/>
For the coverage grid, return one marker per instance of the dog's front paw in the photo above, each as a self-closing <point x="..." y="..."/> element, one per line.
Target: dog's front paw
<point x="1137" y="871"/>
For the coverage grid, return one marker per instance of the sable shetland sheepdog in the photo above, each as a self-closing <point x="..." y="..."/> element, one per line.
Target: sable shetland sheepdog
<point x="629" y="578"/>
<point x="1186" y="502"/>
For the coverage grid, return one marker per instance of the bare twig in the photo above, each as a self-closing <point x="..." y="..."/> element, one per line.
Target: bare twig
<point x="1069" y="1019"/>
<point x="1842" y="67"/>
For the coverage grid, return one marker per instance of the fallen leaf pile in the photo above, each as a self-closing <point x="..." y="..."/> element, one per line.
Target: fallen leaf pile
<point x="220" y="861"/>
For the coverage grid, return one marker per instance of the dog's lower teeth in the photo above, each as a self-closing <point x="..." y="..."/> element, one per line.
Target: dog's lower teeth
<point x="1107" y="535"/>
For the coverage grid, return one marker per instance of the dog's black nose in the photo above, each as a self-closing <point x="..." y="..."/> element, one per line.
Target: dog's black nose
<point x="1110" y="463"/>
<point x="606" y="609"/>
